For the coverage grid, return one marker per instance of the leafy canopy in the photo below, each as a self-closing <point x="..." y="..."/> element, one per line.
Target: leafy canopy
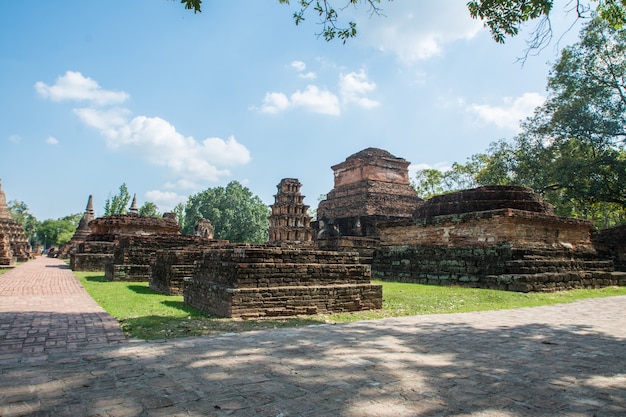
<point x="118" y="204"/>
<point x="503" y="17"/>
<point x="573" y="149"/>
<point x="149" y="209"/>
<point x="58" y="232"/>
<point x="236" y="214"/>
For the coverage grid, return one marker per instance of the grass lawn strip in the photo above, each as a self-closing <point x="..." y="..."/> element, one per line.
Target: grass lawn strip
<point x="146" y="314"/>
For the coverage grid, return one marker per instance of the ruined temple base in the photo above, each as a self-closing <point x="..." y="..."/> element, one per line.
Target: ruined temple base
<point x="282" y="301"/>
<point x="170" y="269"/>
<point x="127" y="272"/>
<point x="364" y="246"/>
<point x="505" y="249"/>
<point x="249" y="282"/>
<point x="134" y="255"/>
<point x="90" y="262"/>
<point x="6" y="263"/>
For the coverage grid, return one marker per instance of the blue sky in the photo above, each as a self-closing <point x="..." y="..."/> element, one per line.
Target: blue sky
<point x="98" y="93"/>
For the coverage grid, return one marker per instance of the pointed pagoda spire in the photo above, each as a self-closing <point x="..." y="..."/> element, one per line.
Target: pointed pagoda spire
<point x="4" y="210"/>
<point x="83" y="230"/>
<point x="133" y="207"/>
<point x="89" y="208"/>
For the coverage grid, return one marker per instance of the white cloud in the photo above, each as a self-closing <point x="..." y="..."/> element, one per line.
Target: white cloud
<point x="440" y="166"/>
<point x="353" y="89"/>
<point x="274" y="103"/>
<point x="15" y="138"/>
<point x="183" y="183"/>
<point x="103" y="120"/>
<point x="156" y="140"/>
<point x="50" y="140"/>
<point x="312" y="99"/>
<point x="165" y="200"/>
<point x="159" y="142"/>
<point x="316" y="100"/>
<point x="300" y="67"/>
<point x="74" y="86"/>
<point x="415" y="31"/>
<point x="510" y="113"/>
<point x="354" y="86"/>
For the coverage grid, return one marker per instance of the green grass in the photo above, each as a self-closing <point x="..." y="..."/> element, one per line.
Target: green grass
<point x="146" y="314"/>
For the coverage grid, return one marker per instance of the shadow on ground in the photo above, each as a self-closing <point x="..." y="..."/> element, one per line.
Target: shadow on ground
<point x="383" y="368"/>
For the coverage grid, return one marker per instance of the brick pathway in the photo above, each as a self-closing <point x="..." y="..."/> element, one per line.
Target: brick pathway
<point x="44" y="309"/>
<point x="566" y="360"/>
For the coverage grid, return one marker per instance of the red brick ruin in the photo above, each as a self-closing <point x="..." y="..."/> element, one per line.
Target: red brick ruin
<point x="371" y="186"/>
<point x="371" y="225"/>
<point x="14" y="244"/>
<point x="265" y="281"/>
<point x="289" y="221"/>
<point x="98" y="248"/>
<point x="500" y="237"/>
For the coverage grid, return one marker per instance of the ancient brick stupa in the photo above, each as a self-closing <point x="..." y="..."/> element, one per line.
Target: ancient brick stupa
<point x="370" y="187"/>
<point x="82" y="231"/>
<point x="14" y="245"/>
<point x="99" y="246"/>
<point x="499" y="237"/>
<point x="289" y="221"/>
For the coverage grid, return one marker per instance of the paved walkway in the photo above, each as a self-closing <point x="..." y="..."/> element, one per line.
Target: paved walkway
<point x="61" y="355"/>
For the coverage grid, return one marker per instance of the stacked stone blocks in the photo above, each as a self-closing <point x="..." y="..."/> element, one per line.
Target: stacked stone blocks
<point x="134" y="255"/>
<point x="505" y="249"/>
<point x="265" y="281"/>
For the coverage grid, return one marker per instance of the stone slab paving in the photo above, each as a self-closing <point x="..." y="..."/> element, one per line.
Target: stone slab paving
<point x="565" y="360"/>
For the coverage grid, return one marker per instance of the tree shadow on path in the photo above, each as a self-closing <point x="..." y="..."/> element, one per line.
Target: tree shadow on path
<point x="439" y="365"/>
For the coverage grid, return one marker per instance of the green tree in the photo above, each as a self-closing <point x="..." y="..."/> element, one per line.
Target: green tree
<point x="581" y="129"/>
<point x="502" y="17"/>
<point x="236" y="214"/>
<point x="58" y="232"/>
<point x="118" y="204"/>
<point x="19" y="212"/>
<point x="572" y="150"/>
<point x="149" y="209"/>
<point x="430" y="181"/>
<point x="179" y="209"/>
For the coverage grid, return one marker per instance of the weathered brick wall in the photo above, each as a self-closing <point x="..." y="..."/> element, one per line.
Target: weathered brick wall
<point x="171" y="267"/>
<point x="6" y="255"/>
<point x="364" y="246"/>
<point x="496" y="267"/>
<point x="517" y="227"/>
<point x="134" y="255"/>
<point x="245" y="281"/>
<point x="99" y="247"/>
<point x="92" y="255"/>
<point x="484" y="199"/>
<point x="129" y="224"/>
<point x="505" y="249"/>
<point x="611" y="243"/>
<point x="90" y="261"/>
<point x="281" y="301"/>
<point x="126" y="272"/>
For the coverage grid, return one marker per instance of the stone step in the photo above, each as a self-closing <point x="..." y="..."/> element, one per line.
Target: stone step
<point x="555" y="281"/>
<point x="531" y="266"/>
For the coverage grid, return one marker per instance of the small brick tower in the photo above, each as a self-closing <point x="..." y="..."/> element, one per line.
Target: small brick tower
<point x="289" y="221"/>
